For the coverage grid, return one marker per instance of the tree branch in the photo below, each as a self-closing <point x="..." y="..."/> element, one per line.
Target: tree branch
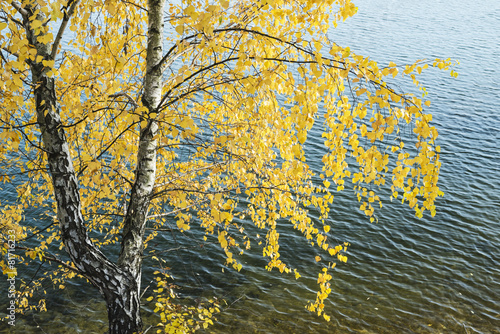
<point x="11" y="53"/>
<point x="64" y="23"/>
<point x="20" y="9"/>
<point x="124" y="94"/>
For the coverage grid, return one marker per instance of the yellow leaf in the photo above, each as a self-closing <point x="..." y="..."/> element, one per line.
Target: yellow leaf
<point x="222" y="239"/>
<point x="180" y="29"/>
<point x="361" y="91"/>
<point x="191" y="11"/>
<point x="111" y="9"/>
<point x="36" y="24"/>
<point x="48" y="63"/>
<point x="302" y="136"/>
<point x="224" y="3"/>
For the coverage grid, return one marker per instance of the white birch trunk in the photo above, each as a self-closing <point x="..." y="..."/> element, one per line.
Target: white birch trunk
<point x="135" y="220"/>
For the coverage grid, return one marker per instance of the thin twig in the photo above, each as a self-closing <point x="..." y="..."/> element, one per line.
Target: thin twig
<point x="50" y="258"/>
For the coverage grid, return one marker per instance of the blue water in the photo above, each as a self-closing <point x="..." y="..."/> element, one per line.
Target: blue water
<point x="404" y="275"/>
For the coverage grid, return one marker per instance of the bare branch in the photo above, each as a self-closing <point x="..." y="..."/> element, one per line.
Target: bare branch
<point x="124" y="94"/>
<point x="17" y="126"/>
<point x="20" y="9"/>
<point x="12" y="53"/>
<point x="164" y="59"/>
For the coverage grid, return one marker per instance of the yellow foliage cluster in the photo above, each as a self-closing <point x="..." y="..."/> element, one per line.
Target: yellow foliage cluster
<point x="177" y="318"/>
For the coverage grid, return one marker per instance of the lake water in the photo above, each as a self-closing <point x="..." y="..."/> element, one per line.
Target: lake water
<point x="404" y="275"/>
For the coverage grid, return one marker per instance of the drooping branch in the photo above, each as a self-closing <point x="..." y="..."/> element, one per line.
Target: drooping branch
<point x="222" y="62"/>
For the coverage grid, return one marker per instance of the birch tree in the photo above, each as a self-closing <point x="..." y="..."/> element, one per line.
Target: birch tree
<point x="117" y="119"/>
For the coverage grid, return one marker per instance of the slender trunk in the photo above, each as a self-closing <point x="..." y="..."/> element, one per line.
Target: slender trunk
<point x="132" y="248"/>
<point x="119" y="284"/>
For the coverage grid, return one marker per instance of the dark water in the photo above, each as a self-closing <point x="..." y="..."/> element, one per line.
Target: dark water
<point x="404" y="275"/>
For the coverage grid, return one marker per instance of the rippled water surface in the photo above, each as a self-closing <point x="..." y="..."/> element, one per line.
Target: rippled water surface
<point x="404" y="275"/>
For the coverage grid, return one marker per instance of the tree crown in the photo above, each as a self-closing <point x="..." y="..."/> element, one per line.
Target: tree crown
<point x="243" y="85"/>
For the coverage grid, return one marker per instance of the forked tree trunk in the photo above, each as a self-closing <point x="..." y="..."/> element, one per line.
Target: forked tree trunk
<point x="119" y="284"/>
